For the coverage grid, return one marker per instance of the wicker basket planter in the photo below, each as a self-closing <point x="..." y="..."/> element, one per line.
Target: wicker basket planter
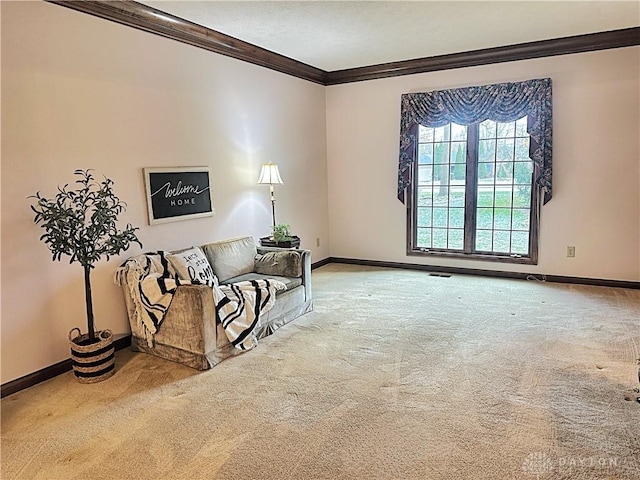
<point x="92" y="362"/>
<point x="68" y="232"/>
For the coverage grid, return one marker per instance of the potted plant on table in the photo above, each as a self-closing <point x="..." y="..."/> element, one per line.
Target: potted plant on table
<point x="281" y="237"/>
<point x="81" y="224"/>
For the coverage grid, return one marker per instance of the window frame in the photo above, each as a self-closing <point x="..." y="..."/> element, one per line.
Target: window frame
<point x="471" y="186"/>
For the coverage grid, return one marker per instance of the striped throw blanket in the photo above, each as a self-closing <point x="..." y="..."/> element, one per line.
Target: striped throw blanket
<point x="240" y="305"/>
<point x="153" y="281"/>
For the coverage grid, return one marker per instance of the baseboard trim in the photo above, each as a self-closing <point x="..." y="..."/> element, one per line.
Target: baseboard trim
<point x="489" y="273"/>
<point x="47" y="373"/>
<point x="124" y="341"/>
<point x="320" y="263"/>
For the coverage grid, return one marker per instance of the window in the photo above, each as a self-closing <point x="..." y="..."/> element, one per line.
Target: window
<point x="473" y="192"/>
<point x="474" y="166"/>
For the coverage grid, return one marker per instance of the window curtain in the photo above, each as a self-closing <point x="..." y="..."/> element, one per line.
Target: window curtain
<point x="503" y="102"/>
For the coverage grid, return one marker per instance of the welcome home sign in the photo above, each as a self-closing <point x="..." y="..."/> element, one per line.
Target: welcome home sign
<point x="178" y="193"/>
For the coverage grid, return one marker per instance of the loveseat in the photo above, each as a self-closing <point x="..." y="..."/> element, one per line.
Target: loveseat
<point x="190" y="331"/>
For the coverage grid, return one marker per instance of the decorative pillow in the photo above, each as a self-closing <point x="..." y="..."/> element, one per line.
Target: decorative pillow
<point x="282" y="264"/>
<point x="192" y="265"/>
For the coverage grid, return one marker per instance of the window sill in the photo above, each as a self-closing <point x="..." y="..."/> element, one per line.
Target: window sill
<point x="484" y="257"/>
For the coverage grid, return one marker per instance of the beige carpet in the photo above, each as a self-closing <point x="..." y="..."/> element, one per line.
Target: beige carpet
<point x="394" y="375"/>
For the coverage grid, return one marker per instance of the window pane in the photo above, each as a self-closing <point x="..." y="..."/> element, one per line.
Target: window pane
<point x="441" y="134"/>
<point x="486" y="172"/>
<point x="522" y="173"/>
<point x="458" y="174"/>
<point x="522" y="149"/>
<point x="439" y="238"/>
<point x="441" y="154"/>
<point x="521" y="127"/>
<point x="520" y="242"/>
<point x="440" y="217"/>
<point x="503" y="197"/>
<point x="483" y="240"/>
<point x="521" y="219"/>
<point x="441" y="192"/>
<point x="456" y="196"/>
<point x="425" y="196"/>
<point x="425" y="175"/>
<point x="458" y="152"/>
<point x="504" y="172"/>
<point x="485" y="195"/>
<point x="425" y="153"/>
<point x="484" y="218"/>
<point x="502" y="219"/>
<point x="486" y="150"/>
<point x="501" y="242"/>
<point x="424" y="238"/>
<point x="506" y="129"/>
<point x="505" y="150"/>
<point x="487" y="129"/>
<point x="456" y="239"/>
<point x="424" y="216"/>
<point x="458" y="132"/>
<point x="456" y="217"/>
<point x="425" y="134"/>
<point x="459" y="160"/>
<point x="522" y="197"/>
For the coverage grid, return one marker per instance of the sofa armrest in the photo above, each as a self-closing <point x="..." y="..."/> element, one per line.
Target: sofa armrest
<point x="190" y="322"/>
<point x="305" y="264"/>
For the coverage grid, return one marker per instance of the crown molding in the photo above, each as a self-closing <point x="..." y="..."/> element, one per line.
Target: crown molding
<point x="523" y="51"/>
<point x="148" y="19"/>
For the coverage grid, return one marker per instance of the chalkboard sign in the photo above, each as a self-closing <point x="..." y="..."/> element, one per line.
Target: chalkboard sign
<point x="177" y="193"/>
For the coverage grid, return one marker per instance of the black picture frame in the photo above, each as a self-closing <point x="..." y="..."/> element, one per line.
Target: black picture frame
<point x="178" y="193"/>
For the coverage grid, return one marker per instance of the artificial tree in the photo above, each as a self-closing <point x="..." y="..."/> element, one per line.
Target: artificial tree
<point x="81" y="224"/>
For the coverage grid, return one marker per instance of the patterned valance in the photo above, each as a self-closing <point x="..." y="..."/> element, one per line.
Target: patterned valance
<point x="503" y="102"/>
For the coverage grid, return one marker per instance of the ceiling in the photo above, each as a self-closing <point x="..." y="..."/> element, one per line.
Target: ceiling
<point x="336" y="35"/>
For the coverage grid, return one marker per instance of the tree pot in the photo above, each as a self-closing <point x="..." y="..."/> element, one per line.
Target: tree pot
<point x="93" y="361"/>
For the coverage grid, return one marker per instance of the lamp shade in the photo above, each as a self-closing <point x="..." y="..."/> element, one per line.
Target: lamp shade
<point x="269" y="174"/>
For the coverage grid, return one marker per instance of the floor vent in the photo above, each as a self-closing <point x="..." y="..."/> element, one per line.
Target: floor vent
<point x="444" y="275"/>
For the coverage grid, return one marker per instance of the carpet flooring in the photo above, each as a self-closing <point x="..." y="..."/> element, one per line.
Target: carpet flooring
<point x="395" y="375"/>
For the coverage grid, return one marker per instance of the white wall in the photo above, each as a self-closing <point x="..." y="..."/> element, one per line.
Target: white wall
<point x="82" y="92"/>
<point x="596" y="155"/>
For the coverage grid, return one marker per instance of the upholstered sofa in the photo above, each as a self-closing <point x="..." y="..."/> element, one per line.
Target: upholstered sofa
<point x="191" y="332"/>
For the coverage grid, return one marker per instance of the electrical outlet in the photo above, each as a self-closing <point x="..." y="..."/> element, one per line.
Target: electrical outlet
<point x="571" y="251"/>
<point x="318" y="242"/>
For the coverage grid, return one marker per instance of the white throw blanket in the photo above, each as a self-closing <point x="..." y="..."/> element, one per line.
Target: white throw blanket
<point x="153" y="281"/>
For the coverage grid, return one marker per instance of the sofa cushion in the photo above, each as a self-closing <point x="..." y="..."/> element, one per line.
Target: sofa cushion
<point x="192" y="265"/>
<point x="286" y="264"/>
<point x="230" y="258"/>
<point x="290" y="283"/>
